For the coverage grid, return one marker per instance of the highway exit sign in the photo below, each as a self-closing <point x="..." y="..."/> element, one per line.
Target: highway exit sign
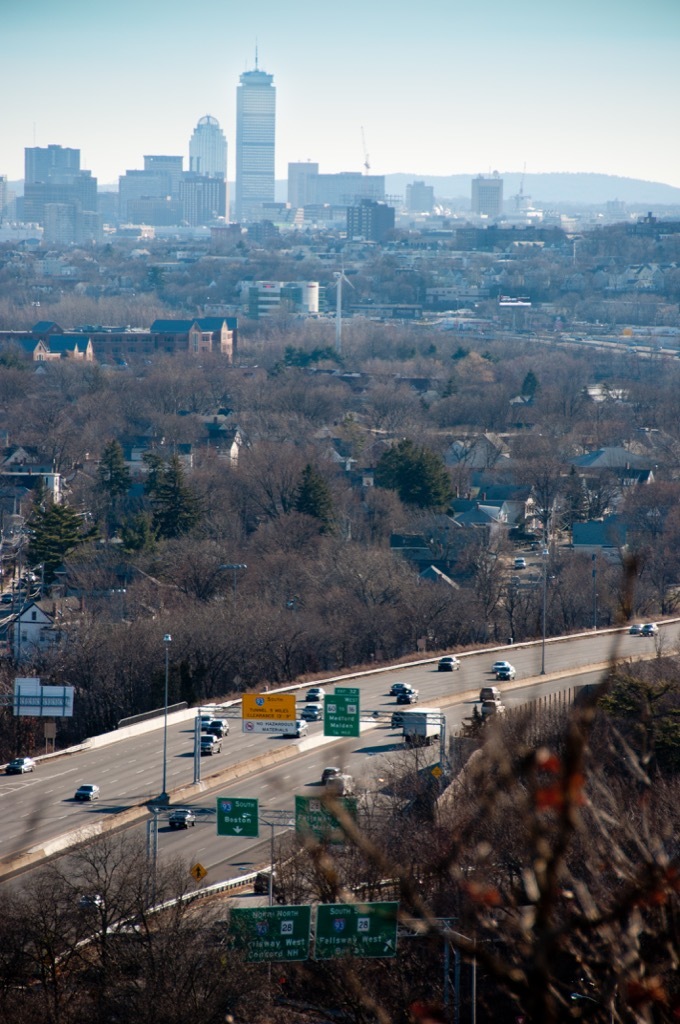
<point x="313" y="817"/>
<point x="237" y="816"/>
<point x="359" y="929"/>
<point x="341" y="714"/>
<point x="272" y="933"/>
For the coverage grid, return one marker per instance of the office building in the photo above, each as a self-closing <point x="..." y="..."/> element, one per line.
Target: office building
<point x="370" y="221"/>
<point x="203" y="198"/>
<point x="208" y="149"/>
<point x="156" y="187"/>
<point x="302" y="184"/>
<point x="487" y="195"/>
<point x="306" y="187"/>
<point x="419" y="197"/>
<point x="52" y="177"/>
<point x="263" y="298"/>
<point x="255" y="143"/>
<point x="46" y="163"/>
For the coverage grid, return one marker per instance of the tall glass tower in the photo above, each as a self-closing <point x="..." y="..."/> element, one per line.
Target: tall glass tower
<point x="255" y="143"/>
<point x="208" y="149"/>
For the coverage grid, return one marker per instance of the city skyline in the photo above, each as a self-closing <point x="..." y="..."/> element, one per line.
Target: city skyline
<point x="437" y="90"/>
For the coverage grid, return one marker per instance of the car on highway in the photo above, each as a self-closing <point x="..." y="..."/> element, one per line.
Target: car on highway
<point x="315" y="694"/>
<point x="636" y="629"/>
<point x="396" y="688"/>
<point x="489" y="693"/>
<point x="88" y="791"/>
<point x="181" y="818"/>
<point x="650" y="629"/>
<point x="19" y="765"/>
<point x="503" y="670"/>
<point x="91" y="902"/>
<point x="217" y="727"/>
<point x="449" y="663"/>
<point x="330" y="772"/>
<point x="397" y="720"/>
<point x="210" y="744"/>
<point x="340" y="785"/>
<point x="409" y="695"/>
<point x="506" y="673"/>
<point x="301" y="729"/>
<point x="312" y="712"/>
<point x="492" y="707"/>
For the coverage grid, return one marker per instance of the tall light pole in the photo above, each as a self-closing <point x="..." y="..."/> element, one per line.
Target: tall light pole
<point x="167" y="640"/>
<point x="545" y="601"/>
<point x="234" y="567"/>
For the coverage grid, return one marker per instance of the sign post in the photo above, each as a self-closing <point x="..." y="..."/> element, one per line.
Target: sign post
<point x="272" y="933"/>
<point x="341" y="713"/>
<point x="237" y="816"/>
<point x="359" y="929"/>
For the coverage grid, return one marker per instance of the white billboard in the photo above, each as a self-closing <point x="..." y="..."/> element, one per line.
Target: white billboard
<point x="30" y="698"/>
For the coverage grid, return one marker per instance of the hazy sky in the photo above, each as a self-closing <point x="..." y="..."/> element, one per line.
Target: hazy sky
<point x="440" y="87"/>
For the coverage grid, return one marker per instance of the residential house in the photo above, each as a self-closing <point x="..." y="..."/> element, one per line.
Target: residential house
<point x="33" y="630"/>
<point x="600" y="536"/>
<point x="479" y="451"/>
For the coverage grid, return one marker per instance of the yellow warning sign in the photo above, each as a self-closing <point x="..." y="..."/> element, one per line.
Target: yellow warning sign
<point x="437" y="772"/>
<point x="198" y="872"/>
<point x="278" y="707"/>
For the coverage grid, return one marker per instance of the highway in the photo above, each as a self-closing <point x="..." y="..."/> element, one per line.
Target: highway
<point x="39" y="807"/>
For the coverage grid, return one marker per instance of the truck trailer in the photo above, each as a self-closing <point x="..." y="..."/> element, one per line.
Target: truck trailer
<point x="422" y="727"/>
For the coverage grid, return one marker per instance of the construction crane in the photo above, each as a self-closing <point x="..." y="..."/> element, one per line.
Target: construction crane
<point x="367" y="164"/>
<point x="519" y="198"/>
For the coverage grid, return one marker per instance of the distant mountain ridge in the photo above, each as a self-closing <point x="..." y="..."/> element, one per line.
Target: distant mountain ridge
<point x="578" y="188"/>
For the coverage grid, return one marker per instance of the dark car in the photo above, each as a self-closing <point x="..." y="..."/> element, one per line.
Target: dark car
<point x="182" y="818"/>
<point x="409" y="696"/>
<point x="396" y="688"/>
<point x="217" y="727"/>
<point x="448" y="664"/>
<point x="20" y="765"/>
<point x="330" y="773"/>
<point x="397" y="720"/>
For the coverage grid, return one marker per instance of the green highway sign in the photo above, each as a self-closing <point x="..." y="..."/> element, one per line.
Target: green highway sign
<point x="313" y="817"/>
<point x="349" y="691"/>
<point x="237" y="816"/>
<point x="341" y="714"/>
<point x="361" y="929"/>
<point x="272" y="933"/>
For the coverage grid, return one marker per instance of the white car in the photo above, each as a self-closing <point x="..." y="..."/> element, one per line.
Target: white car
<point x="301" y="729"/>
<point x="87" y="792"/>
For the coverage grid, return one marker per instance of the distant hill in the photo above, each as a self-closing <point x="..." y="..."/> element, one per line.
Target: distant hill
<point x="575" y="189"/>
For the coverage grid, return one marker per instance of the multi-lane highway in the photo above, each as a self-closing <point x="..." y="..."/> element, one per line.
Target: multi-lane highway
<point x="38" y="807"/>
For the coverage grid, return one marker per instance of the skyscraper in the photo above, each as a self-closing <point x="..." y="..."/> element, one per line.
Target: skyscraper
<point x="208" y="149"/>
<point x="255" y="143"/>
<point x="487" y="195"/>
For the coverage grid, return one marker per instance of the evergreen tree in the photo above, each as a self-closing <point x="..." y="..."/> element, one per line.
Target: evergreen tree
<point x="530" y="385"/>
<point x="55" y="531"/>
<point x="176" y="509"/>
<point x="138" y="533"/>
<point x="417" y="474"/>
<point x="313" y="498"/>
<point x="113" y="480"/>
<point x="113" y="475"/>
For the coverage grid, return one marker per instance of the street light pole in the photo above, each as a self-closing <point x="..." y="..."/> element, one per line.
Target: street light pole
<point x="167" y="640"/>
<point x="545" y="601"/>
<point x="234" y="567"/>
